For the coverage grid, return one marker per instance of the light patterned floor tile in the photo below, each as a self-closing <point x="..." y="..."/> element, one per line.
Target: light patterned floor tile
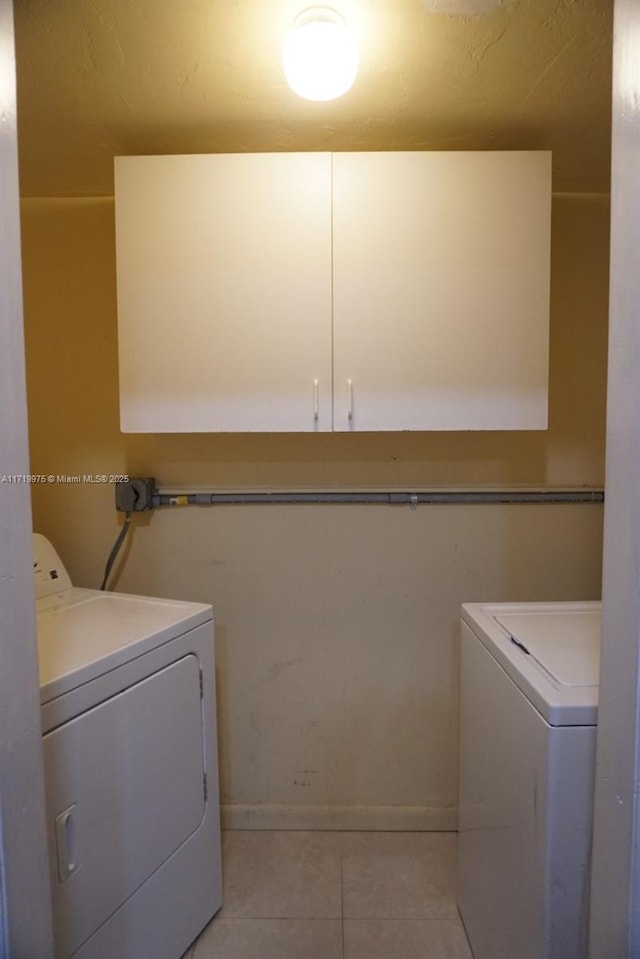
<point x="388" y="875"/>
<point x="285" y="875"/>
<point x="404" y="939"/>
<point x="226" y="938"/>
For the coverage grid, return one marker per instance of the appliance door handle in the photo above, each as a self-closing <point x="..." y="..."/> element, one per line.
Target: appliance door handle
<point x="66" y="843"/>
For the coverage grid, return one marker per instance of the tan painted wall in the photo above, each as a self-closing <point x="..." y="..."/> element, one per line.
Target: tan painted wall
<point x="336" y="625"/>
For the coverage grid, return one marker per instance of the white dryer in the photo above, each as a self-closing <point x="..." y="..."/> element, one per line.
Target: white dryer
<point x="528" y="717"/>
<point x="131" y="775"/>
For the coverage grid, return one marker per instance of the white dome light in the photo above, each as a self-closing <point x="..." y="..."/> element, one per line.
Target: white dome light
<point x="320" y="55"/>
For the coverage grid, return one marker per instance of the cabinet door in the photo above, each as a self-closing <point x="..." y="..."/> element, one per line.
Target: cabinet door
<point x="441" y="290"/>
<point x="224" y="292"/>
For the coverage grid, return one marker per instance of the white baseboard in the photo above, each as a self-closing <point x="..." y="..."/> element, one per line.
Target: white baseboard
<point x="341" y="818"/>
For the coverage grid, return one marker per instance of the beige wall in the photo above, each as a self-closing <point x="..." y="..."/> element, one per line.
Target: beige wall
<point x="336" y="625"/>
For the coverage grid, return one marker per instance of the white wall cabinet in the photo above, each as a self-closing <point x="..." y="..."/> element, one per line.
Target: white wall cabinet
<point x="441" y="290"/>
<point x="224" y="292"/>
<point x="353" y="291"/>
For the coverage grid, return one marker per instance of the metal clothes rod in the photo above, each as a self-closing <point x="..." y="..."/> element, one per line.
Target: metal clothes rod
<point x="402" y="498"/>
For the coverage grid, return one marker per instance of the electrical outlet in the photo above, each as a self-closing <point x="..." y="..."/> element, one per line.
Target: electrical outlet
<point x="135" y="494"/>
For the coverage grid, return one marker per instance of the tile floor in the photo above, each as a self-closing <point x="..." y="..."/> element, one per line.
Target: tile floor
<point x="332" y="895"/>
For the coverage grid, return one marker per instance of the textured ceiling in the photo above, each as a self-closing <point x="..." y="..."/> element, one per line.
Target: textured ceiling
<point x="98" y="78"/>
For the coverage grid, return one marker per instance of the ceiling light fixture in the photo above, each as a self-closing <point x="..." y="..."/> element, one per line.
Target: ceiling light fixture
<point x="320" y="55"/>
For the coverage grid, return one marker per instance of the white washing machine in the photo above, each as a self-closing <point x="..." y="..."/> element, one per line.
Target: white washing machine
<point x="131" y="775"/>
<point x="529" y="705"/>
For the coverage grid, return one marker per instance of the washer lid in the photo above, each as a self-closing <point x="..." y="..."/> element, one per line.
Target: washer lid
<point x="549" y="650"/>
<point x="565" y="644"/>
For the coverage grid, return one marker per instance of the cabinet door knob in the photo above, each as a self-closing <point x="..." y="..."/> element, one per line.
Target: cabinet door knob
<point x="350" y="400"/>
<point x="316" y="400"/>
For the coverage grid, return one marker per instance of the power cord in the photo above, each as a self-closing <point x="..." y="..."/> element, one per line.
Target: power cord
<point x="115" y="549"/>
